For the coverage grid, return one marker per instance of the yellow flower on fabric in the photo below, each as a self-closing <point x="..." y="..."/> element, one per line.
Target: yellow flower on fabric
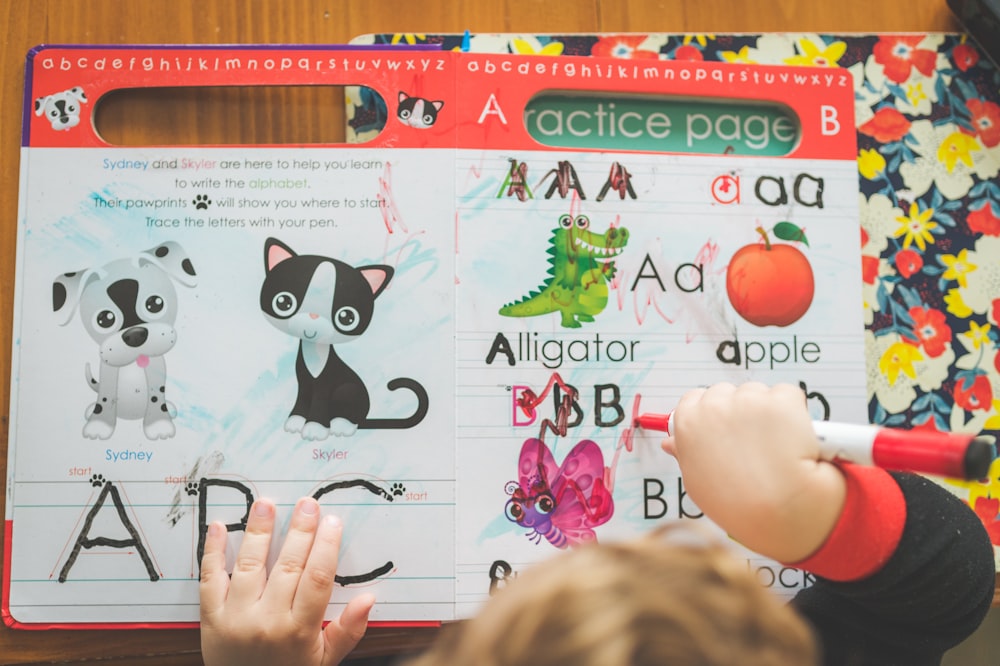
<point x="958" y="267"/>
<point x="524" y="47"/>
<point x="408" y="37"/>
<point x="956" y="306"/>
<point x="916" y="227"/>
<point x="870" y="163"/>
<point x="701" y="39"/>
<point x="743" y="55"/>
<point x="915" y="93"/>
<point x="810" y="54"/>
<point x="899" y="358"/>
<point x="957" y="147"/>
<point x="977" y="335"/>
<point x="993" y="423"/>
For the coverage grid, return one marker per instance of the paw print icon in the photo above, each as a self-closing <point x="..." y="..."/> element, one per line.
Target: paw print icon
<point x="201" y="202"/>
<point x="398" y="489"/>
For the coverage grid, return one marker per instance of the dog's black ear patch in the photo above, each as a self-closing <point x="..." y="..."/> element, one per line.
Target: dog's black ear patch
<point x="58" y="296"/>
<point x="162" y="251"/>
<point x="188" y="267"/>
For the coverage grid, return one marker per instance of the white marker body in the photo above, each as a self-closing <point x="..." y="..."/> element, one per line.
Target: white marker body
<point x="846" y="441"/>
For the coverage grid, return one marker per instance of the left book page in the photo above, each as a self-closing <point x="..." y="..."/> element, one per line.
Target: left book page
<point x="198" y="326"/>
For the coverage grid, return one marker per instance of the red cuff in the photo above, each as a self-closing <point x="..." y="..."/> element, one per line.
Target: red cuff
<point x="868" y="530"/>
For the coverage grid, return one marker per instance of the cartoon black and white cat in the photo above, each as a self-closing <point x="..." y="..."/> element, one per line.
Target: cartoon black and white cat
<point x="417" y="111"/>
<point x="324" y="302"/>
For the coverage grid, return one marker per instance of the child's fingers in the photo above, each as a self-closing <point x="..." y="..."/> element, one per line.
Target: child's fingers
<point x="286" y="574"/>
<point x="343" y="633"/>
<point x="250" y="569"/>
<point x="316" y="587"/>
<point x="688" y="402"/>
<point x="214" y="578"/>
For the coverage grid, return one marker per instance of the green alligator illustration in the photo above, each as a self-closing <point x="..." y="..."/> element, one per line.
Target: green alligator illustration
<point x="580" y="265"/>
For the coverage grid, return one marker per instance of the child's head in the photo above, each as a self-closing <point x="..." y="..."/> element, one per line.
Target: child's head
<point x="652" y="601"/>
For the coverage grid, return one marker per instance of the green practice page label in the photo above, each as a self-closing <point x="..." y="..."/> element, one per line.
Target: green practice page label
<point x="663" y="124"/>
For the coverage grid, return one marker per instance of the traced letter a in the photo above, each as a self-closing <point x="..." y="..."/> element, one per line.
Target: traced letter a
<point x="84" y="540"/>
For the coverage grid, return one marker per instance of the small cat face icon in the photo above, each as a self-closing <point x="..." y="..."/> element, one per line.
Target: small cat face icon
<point x="417" y="111"/>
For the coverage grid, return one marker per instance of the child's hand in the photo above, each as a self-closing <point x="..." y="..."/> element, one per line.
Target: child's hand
<point x="750" y="460"/>
<point x="256" y="619"/>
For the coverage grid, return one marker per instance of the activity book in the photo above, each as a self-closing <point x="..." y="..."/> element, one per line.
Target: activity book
<point x="443" y="333"/>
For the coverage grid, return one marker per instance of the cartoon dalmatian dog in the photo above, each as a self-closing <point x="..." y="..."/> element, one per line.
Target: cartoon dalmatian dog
<point x="62" y="109"/>
<point x="128" y="307"/>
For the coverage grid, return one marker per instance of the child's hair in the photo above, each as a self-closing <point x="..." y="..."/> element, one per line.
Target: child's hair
<point x="648" y="602"/>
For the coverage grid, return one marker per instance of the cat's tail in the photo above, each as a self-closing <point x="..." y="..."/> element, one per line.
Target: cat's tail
<point x="417" y="416"/>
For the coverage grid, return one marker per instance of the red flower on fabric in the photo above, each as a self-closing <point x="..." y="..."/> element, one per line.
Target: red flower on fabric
<point x="931" y="329"/>
<point x="986" y="120"/>
<point x="622" y="46"/>
<point x="987" y="509"/>
<point x="688" y="52"/>
<point x="887" y="125"/>
<point x="898" y="55"/>
<point x="869" y="268"/>
<point x="869" y="262"/>
<point x="995" y="316"/>
<point x="908" y="262"/>
<point x="977" y="396"/>
<point x="927" y="426"/>
<point x="965" y="57"/>
<point x="982" y="220"/>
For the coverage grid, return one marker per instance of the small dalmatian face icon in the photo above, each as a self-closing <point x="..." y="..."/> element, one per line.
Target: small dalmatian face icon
<point x="61" y="109"/>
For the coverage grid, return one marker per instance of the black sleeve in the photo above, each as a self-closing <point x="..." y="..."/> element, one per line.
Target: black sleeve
<point x="933" y="592"/>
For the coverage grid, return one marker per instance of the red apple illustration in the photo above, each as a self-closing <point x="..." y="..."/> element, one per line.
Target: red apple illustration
<point x="771" y="285"/>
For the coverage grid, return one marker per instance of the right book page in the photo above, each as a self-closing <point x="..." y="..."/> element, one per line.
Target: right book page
<point x="625" y="232"/>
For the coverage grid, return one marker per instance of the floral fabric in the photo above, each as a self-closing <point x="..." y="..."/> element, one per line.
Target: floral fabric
<point x="928" y="121"/>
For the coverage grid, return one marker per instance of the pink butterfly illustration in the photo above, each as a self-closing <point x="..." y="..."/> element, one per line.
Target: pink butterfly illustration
<point x="562" y="503"/>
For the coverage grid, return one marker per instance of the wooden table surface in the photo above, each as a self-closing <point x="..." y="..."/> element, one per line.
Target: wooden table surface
<point x="28" y="23"/>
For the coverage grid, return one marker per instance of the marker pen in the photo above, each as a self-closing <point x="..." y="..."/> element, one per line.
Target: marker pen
<point x="950" y="454"/>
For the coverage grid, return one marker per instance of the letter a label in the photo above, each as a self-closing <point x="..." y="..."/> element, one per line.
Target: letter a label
<point x="492" y="108"/>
